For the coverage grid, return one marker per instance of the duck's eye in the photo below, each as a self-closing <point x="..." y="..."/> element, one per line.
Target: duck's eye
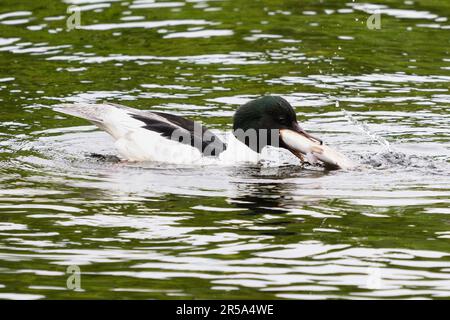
<point x="282" y="119"/>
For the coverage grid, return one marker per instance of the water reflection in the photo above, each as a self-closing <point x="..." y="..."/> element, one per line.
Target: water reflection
<point x="274" y="230"/>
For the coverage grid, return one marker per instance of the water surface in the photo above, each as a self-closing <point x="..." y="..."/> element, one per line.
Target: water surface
<point x="155" y="231"/>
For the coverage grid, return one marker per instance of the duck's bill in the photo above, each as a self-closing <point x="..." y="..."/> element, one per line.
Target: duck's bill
<point x="311" y="149"/>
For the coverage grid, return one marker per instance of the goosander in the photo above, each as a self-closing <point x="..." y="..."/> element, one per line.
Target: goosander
<point x="156" y="136"/>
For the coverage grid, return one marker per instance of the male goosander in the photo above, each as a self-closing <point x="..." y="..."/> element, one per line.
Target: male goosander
<point x="155" y="136"/>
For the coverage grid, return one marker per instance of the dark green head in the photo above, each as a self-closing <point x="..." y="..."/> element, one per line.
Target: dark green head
<point x="265" y="116"/>
<point x="268" y="112"/>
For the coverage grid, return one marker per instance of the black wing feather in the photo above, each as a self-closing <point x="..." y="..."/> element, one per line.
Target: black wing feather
<point x="204" y="140"/>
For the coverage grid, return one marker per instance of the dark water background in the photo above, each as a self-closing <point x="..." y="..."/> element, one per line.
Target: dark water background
<point x="161" y="231"/>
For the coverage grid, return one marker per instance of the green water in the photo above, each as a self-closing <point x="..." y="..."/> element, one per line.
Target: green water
<point x="156" y="231"/>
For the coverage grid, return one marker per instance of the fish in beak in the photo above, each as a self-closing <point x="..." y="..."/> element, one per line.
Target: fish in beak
<point x="303" y="145"/>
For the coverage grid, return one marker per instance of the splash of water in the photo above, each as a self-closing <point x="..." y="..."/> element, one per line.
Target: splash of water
<point x="366" y="130"/>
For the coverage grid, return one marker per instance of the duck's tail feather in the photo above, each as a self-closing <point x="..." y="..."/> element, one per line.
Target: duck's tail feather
<point x="90" y="112"/>
<point x="117" y="120"/>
